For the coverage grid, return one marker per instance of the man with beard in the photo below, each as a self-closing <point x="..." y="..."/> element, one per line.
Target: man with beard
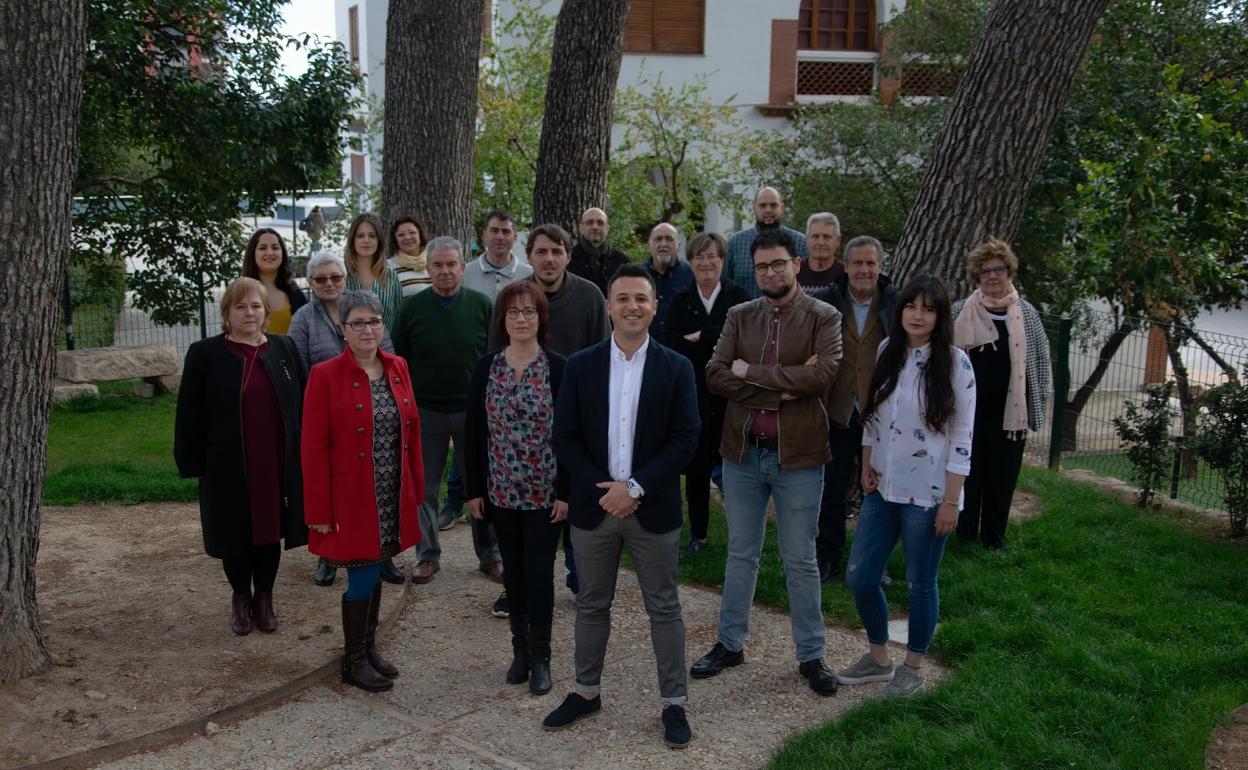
<point x="592" y="257"/>
<point x="669" y="272"/>
<point x="823" y="238"/>
<point x="768" y="212"/>
<point x="775" y="362"/>
<point x="497" y="266"/>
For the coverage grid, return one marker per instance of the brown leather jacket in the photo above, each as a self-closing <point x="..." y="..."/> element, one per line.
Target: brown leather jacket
<point x="807" y="326"/>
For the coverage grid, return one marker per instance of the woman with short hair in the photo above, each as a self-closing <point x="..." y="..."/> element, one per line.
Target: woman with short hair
<point x="407" y="254"/>
<point x="695" y="319"/>
<point x="367" y="270"/>
<point x="1005" y="339"/>
<point x="317" y="334"/>
<point x="510" y="473"/>
<point x="364" y="477"/>
<point x="237" y="430"/>
<point x="916" y="453"/>
<point x="266" y="260"/>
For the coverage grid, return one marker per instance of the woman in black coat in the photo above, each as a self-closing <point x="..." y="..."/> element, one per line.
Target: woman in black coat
<point x="237" y="429"/>
<point x="511" y="475"/>
<point x="693" y="324"/>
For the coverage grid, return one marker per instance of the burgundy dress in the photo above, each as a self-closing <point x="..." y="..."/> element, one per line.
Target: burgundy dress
<point x="264" y="444"/>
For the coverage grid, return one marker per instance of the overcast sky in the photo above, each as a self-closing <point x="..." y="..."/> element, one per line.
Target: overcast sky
<point x="306" y="16"/>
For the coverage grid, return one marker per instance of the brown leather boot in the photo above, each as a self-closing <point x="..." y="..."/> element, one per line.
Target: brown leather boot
<point x="356" y="670"/>
<point x="262" y="611"/>
<point x="380" y="664"/>
<point x="240" y="614"/>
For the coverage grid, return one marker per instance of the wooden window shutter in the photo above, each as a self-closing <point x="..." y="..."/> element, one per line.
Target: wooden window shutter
<point x="639" y="29"/>
<point x="665" y="26"/>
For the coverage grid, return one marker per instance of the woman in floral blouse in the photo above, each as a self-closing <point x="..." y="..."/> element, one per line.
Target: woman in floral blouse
<point x="510" y="473"/>
<point x="916" y="454"/>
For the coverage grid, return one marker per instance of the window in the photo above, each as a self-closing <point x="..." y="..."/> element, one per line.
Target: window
<point x="836" y="25"/>
<point x="353" y="35"/>
<point x="665" y="26"/>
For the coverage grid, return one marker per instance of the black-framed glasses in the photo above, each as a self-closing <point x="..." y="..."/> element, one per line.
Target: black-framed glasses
<point x="988" y="272"/>
<point x="516" y="312"/>
<point x="706" y="256"/>
<point x="358" y="325"/>
<point x="775" y="266"/>
<point x="321" y="280"/>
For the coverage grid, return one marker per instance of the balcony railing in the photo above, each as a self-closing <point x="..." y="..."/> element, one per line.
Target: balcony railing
<point x="829" y="76"/>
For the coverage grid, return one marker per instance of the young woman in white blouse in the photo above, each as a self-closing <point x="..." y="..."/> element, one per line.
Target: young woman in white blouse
<point x="916" y="454"/>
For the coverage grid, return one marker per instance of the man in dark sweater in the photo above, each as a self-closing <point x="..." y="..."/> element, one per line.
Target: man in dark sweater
<point x="821" y="268"/>
<point x="441" y="333"/>
<point x="592" y="257"/>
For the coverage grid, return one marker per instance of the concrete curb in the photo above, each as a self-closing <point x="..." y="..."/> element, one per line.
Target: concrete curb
<point x="141" y="743"/>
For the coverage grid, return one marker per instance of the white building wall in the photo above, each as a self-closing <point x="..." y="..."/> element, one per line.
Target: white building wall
<point x="372" y="50"/>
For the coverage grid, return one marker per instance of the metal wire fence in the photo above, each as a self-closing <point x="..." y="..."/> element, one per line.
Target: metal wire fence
<point x="1101" y="363"/>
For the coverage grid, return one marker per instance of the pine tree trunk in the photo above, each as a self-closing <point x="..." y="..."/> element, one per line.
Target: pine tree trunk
<point x="996" y="134"/>
<point x="41" y="60"/>
<point x="580" y="99"/>
<point x="433" y="48"/>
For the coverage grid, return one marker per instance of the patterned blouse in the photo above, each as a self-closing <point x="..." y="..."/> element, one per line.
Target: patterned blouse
<point x="911" y="459"/>
<point x="519" y="417"/>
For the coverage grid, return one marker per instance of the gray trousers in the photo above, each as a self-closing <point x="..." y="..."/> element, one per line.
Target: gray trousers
<point x="597" y="553"/>
<point x="438" y="432"/>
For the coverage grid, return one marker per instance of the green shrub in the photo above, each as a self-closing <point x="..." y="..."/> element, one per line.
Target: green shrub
<point x="1145" y="434"/>
<point x="1222" y="441"/>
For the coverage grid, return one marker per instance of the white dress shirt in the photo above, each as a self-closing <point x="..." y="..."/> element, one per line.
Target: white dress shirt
<point x="624" y="391"/>
<point x="708" y="302"/>
<point x="912" y="459"/>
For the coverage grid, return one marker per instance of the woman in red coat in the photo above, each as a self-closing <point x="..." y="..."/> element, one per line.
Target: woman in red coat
<point x="363" y="476"/>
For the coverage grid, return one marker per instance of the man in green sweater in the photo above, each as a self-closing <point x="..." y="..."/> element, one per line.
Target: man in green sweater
<point x="442" y="333"/>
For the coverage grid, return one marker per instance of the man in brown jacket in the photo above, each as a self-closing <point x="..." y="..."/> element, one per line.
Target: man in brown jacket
<point x="774" y="363"/>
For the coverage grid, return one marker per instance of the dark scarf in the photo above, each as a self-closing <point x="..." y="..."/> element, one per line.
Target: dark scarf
<point x="597" y="252"/>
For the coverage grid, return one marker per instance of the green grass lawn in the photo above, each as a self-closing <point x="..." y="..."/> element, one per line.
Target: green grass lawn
<point x="1206" y="489"/>
<point x="1099" y="638"/>
<point x="115" y="448"/>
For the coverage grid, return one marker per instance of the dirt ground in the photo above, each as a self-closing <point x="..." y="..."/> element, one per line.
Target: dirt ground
<point x="137" y="620"/>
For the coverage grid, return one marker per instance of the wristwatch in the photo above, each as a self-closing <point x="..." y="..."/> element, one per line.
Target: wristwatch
<point x="634" y="489"/>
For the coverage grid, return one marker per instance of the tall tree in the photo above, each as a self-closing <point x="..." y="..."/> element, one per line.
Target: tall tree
<point x="996" y="132"/>
<point x="575" y="150"/>
<point x="433" y="49"/>
<point x="41" y="60"/>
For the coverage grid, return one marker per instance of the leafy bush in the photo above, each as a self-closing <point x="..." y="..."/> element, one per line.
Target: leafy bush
<point x="1145" y="433"/>
<point x="1222" y="441"/>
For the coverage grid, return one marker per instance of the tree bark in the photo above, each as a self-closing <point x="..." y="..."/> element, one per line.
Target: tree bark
<point x="995" y="135"/>
<point x="41" y="61"/>
<point x="1074" y="407"/>
<point x="433" y="49"/>
<point x="580" y="101"/>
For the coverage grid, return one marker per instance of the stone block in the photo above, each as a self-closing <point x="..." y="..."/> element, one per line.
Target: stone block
<point x="120" y="363"/>
<point x="64" y="391"/>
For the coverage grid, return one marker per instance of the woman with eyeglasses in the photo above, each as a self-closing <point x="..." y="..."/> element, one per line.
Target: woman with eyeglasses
<point x="1005" y="338"/>
<point x="510" y="473"/>
<point x="317" y="334"/>
<point x="363" y="477"/>
<point x="367" y="268"/>
<point x="266" y="260"/>
<point x="237" y="430"/>
<point x="694" y="322"/>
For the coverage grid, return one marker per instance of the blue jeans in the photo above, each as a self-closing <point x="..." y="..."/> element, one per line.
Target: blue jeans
<point x="455" y="496"/>
<point x="361" y="581"/>
<point x="747" y="487"/>
<point x="880" y="524"/>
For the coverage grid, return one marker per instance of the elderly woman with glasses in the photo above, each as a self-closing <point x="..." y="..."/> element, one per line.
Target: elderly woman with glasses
<point x="237" y="430"/>
<point x="318" y="337"/>
<point x="1005" y="339"/>
<point x="695" y="320"/>
<point x="364" y="478"/>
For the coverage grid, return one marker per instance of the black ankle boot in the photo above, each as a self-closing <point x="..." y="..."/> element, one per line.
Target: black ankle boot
<point x="380" y="664"/>
<point x="539" y="660"/>
<point x="356" y="670"/>
<point x="519" y="670"/>
<point x="325" y="573"/>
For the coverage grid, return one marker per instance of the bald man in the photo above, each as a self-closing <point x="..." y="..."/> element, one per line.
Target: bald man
<point x="592" y="257"/>
<point x="768" y="214"/>
<point x="671" y="274"/>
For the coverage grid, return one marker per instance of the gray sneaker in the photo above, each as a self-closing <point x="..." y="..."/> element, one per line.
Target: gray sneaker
<point x="905" y="682"/>
<point x="864" y="671"/>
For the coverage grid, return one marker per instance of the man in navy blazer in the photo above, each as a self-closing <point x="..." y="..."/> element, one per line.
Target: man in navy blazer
<point x="626" y="423"/>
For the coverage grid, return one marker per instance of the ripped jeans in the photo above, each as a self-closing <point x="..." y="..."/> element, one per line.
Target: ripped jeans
<point x="881" y="523"/>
